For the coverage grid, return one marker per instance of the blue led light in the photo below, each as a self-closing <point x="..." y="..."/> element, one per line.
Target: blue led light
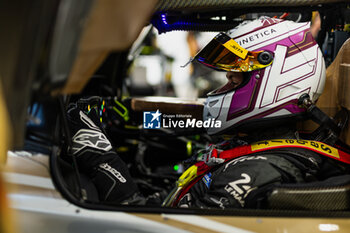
<point x="164" y="19"/>
<point x="162" y="24"/>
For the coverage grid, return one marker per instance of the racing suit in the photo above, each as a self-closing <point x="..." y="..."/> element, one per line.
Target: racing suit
<point x="247" y="181"/>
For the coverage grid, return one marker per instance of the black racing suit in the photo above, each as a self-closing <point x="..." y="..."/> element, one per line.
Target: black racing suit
<point x="244" y="182"/>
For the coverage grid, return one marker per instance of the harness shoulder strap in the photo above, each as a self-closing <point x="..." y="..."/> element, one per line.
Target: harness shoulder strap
<point x="318" y="147"/>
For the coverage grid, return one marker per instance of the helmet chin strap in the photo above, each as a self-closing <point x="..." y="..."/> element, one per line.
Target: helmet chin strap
<point x="329" y="129"/>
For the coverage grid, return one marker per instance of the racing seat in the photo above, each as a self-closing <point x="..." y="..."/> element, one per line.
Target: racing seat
<point x="333" y="193"/>
<point x="336" y="95"/>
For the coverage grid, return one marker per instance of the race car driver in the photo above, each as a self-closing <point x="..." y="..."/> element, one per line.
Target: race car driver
<point x="275" y="73"/>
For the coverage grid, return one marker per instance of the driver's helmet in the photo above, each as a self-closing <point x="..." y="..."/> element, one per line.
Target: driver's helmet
<point x="281" y="62"/>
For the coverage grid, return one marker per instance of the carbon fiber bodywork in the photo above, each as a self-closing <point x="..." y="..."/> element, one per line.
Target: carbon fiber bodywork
<point x="171" y="5"/>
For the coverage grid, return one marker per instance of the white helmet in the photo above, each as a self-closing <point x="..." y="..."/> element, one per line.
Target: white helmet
<point x="281" y="61"/>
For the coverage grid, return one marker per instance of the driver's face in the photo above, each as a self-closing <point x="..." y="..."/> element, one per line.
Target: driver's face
<point x="234" y="78"/>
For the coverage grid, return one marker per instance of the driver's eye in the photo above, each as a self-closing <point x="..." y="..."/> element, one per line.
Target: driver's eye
<point x="234" y="78"/>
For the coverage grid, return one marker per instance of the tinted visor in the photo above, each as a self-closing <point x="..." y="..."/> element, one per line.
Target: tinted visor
<point x="225" y="54"/>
